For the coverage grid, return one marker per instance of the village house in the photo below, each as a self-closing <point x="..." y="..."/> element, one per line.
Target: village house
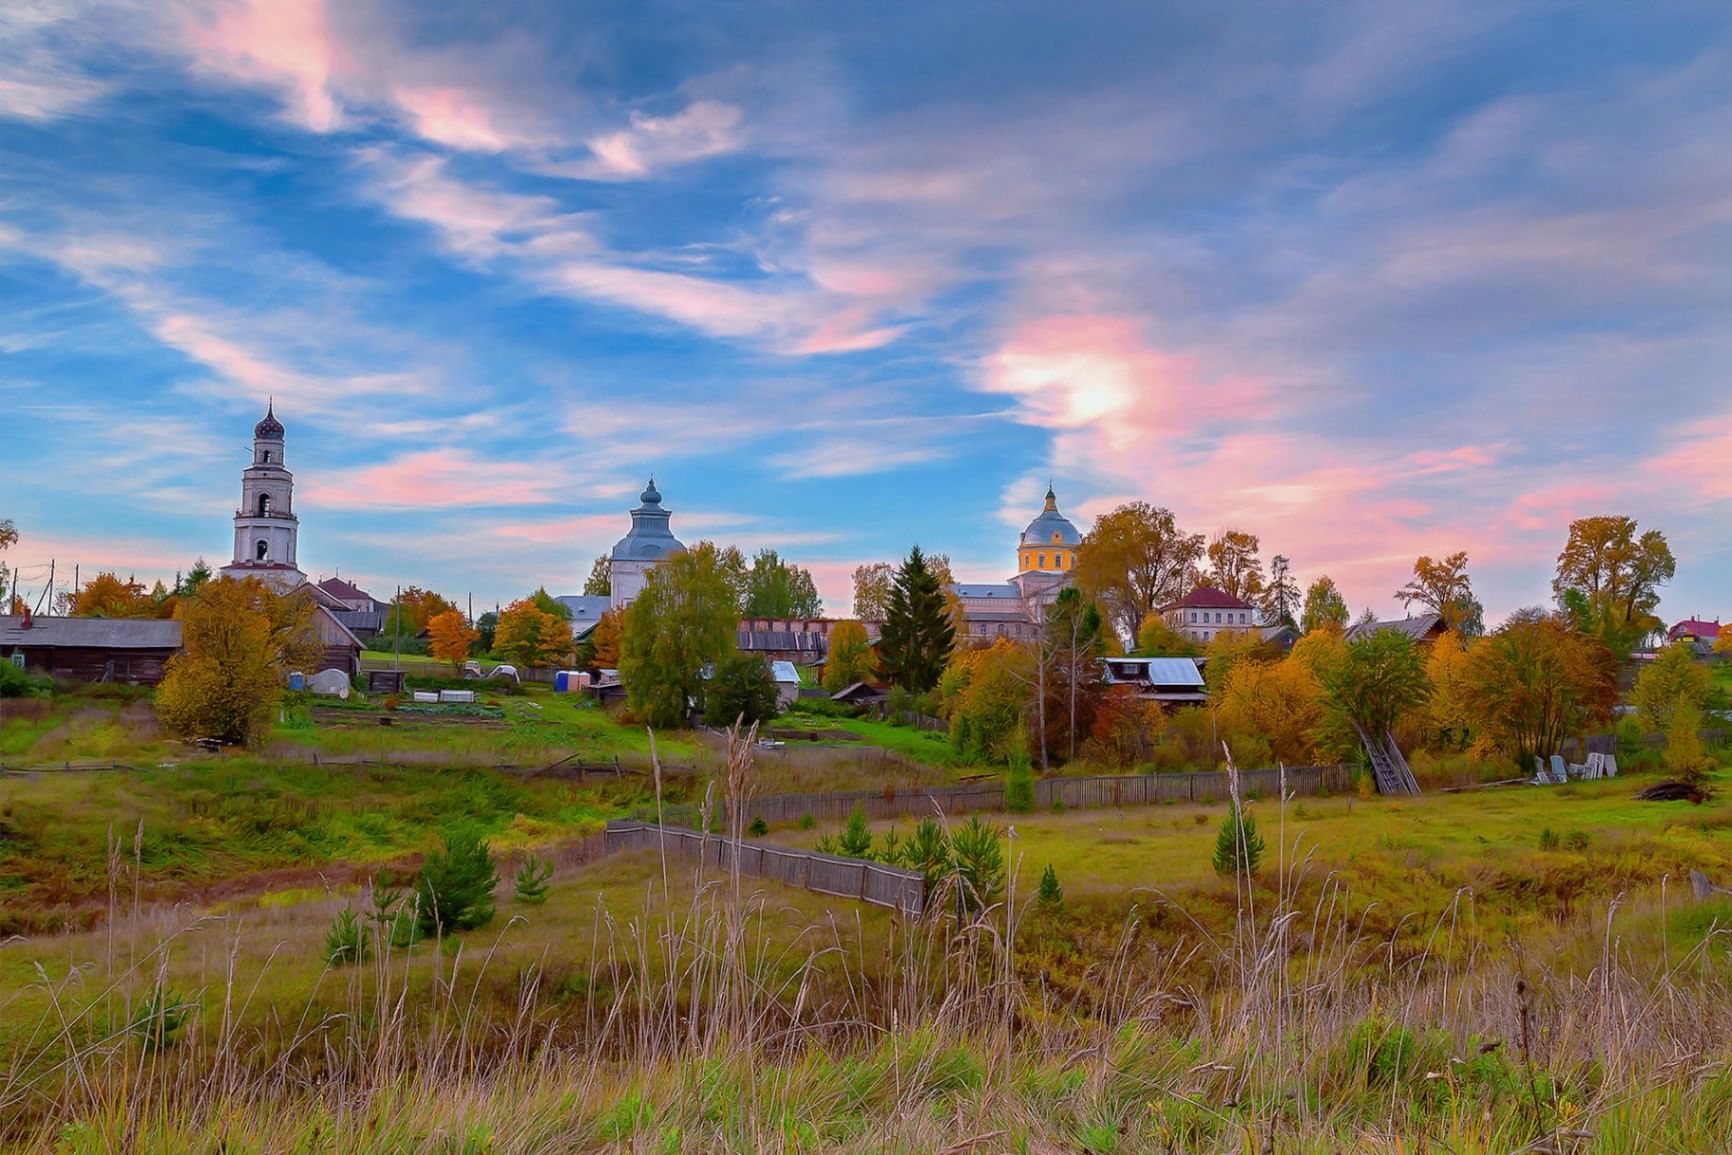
<point x="124" y="650"/>
<point x="1423" y="629"/>
<point x="1206" y="612"/>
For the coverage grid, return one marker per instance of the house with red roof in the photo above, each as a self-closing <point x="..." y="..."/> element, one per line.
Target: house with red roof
<point x="1206" y="612"/>
<point x="1695" y="630"/>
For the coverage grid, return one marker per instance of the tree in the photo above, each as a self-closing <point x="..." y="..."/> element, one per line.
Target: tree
<point x="1382" y="678"/>
<point x="413" y="609"/>
<point x="1723" y="643"/>
<point x="1325" y="608"/>
<point x="1449" y="718"/>
<point x="918" y="633"/>
<point x="194" y="580"/>
<point x="239" y="640"/>
<point x="1280" y="602"/>
<point x="872" y="584"/>
<point x="1238" y="846"/>
<point x="855" y="841"/>
<point x="1226" y="649"/>
<point x="979" y="860"/>
<point x="986" y="696"/>
<point x="1234" y="567"/>
<point x="732" y="564"/>
<point x="742" y="689"/>
<point x="1443" y="587"/>
<point x="849" y="658"/>
<point x="1136" y="560"/>
<point x="1609" y="578"/>
<point x="1074" y="642"/>
<point x="530" y="636"/>
<point x="106" y="596"/>
<point x="8" y="539"/>
<point x="487" y="626"/>
<point x="1673" y="681"/>
<point x="452" y="637"/>
<point x="686" y="618"/>
<point x="939" y="564"/>
<point x="606" y="640"/>
<point x="455" y="888"/>
<point x="530" y="884"/>
<point x="599" y="583"/>
<point x="1157" y="639"/>
<point x="548" y="604"/>
<point x="1537" y="680"/>
<point x="775" y="589"/>
<point x="1124" y="729"/>
<point x="1277" y="706"/>
<point x="1051" y="894"/>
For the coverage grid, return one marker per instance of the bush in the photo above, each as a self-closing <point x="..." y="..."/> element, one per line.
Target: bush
<point x="531" y="881"/>
<point x="455" y="888"/>
<point x="743" y="689"/>
<point x="161" y="1017"/>
<point x="825" y="708"/>
<point x="16" y="683"/>
<point x="758" y="828"/>
<point x="1238" y="847"/>
<point x="806" y="822"/>
<point x="1019" y="782"/>
<point x="979" y="863"/>
<point x="346" y="942"/>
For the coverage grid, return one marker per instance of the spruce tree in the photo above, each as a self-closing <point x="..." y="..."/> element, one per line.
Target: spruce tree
<point x="1051" y="894"/>
<point x="1238" y="846"/>
<point x="918" y="633"/>
<point x="856" y="839"/>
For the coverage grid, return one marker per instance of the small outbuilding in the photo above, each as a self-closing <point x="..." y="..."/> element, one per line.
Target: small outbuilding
<point x="126" y="650"/>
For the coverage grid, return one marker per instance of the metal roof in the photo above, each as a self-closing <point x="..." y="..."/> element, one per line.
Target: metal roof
<point x="95" y="633"/>
<point x="650" y="539"/>
<point x="585" y="608"/>
<point x="1159" y="671"/>
<point x="785" y="672"/>
<point x="1209" y="598"/>
<point x="1005" y="590"/>
<point x="1415" y="628"/>
<point x="1051" y="527"/>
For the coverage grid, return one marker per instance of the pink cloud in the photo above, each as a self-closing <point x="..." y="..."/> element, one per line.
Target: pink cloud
<point x="282" y="44"/>
<point x="436" y="479"/>
<point x="702" y="129"/>
<point x="1701" y="462"/>
<point x="456" y="118"/>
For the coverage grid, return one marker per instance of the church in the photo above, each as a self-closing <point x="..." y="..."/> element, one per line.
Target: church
<point x="1045" y="561"/>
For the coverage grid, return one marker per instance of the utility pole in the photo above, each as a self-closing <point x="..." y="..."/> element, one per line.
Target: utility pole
<point x="47" y="591"/>
<point x="397" y="630"/>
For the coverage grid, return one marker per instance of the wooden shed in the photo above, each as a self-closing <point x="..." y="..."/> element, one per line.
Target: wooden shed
<point x="90" y="649"/>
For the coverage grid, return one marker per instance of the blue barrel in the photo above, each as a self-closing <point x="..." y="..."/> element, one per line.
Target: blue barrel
<point x="562" y="682"/>
<point x="297" y="681"/>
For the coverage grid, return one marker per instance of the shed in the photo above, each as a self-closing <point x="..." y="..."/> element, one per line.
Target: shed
<point x="126" y="650"/>
<point x="1169" y="681"/>
<point x="787" y="683"/>
<point x="860" y="694"/>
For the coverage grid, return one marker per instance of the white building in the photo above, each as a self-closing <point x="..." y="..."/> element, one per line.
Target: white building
<point x="648" y="543"/>
<point x="266" y="528"/>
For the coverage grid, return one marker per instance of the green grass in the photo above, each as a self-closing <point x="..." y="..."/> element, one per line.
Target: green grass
<point x="931" y="748"/>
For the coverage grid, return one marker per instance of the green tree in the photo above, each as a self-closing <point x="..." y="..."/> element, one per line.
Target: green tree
<point x="742" y="689"/>
<point x="855" y="840"/>
<point x="1325" y="608"/>
<point x="849" y="658"/>
<point x="1443" y="587"/>
<point x="979" y="862"/>
<point x="1019" y="780"/>
<point x="1135" y="560"/>
<point x="1238" y="846"/>
<point x="548" y="604"/>
<point x="346" y="941"/>
<point x="918" y="632"/>
<point x="1537" y="680"/>
<point x="775" y="589"/>
<point x="1675" y="680"/>
<point x="686" y="618"/>
<point x="194" y="580"/>
<point x="1381" y="679"/>
<point x="486" y="629"/>
<point x="1051" y="894"/>
<point x="454" y="890"/>
<point x="599" y="583"/>
<point x="1609" y="577"/>
<point x="530" y="884"/>
<point x="1280" y="601"/>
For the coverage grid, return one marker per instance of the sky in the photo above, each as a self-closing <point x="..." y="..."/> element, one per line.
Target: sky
<point x="1368" y="280"/>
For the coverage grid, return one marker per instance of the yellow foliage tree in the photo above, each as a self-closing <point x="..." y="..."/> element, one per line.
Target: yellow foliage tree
<point x="606" y="640"/>
<point x="1723" y="643"/>
<point x="531" y="636"/>
<point x="1449" y="719"/>
<point x="1278" y="703"/>
<point x="106" y="596"/>
<point x="239" y="640"/>
<point x="451" y="637"/>
<point x="850" y="657"/>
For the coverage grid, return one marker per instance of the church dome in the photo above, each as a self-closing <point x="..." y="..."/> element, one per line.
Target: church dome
<point x="1051" y="527"/>
<point x="650" y="538"/>
<point x="270" y="429"/>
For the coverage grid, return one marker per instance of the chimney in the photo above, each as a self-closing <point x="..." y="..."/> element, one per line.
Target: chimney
<point x="28" y="623"/>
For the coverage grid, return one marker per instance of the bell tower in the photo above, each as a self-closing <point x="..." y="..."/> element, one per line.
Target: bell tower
<point x="266" y="527"/>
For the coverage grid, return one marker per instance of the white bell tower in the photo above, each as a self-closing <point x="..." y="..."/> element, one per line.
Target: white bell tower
<point x="265" y="524"/>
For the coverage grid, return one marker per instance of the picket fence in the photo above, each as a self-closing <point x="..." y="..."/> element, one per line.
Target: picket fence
<point x="854" y="878"/>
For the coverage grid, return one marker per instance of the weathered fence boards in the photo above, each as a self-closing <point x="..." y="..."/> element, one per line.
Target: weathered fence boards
<point x="853" y="878"/>
<point x="1069" y="793"/>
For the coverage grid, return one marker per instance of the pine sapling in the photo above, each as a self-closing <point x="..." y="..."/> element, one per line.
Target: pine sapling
<point x="346" y="942"/>
<point x="1051" y="894"/>
<point x="855" y="840"/>
<point x="758" y="828"/>
<point x="1238" y="847"/>
<point x="531" y="880"/>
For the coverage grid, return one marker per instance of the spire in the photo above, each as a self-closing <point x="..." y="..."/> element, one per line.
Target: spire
<point x="1051" y="497"/>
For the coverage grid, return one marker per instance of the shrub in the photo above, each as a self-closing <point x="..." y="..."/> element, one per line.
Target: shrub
<point x="16" y="683"/>
<point x="455" y="888"/>
<point x="979" y="863"/>
<point x="743" y="689"/>
<point x="758" y="828"/>
<point x="1019" y="782"/>
<point x="928" y="851"/>
<point x="1238" y="847"/>
<point x="161" y="1018"/>
<point x="1577" y="840"/>
<point x="346" y="942"/>
<point x="855" y="840"/>
<point x="806" y="822"/>
<point x="1549" y="839"/>
<point x="1051" y="895"/>
<point x="531" y="881"/>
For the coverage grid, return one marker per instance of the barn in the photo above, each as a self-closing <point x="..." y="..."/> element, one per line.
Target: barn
<point x="123" y="650"/>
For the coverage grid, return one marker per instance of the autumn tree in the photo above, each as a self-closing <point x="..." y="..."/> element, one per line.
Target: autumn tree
<point x="413" y="609"/>
<point x="1609" y="577"/>
<point x="239" y="640"/>
<point x="1443" y="587"/>
<point x="686" y="618"/>
<point x="1449" y="716"/>
<point x="849" y="658"/>
<point x="939" y="564"/>
<point x="1325" y="608"/>
<point x="106" y="596"/>
<point x="599" y="583"/>
<point x="1234" y="567"/>
<point x="1136" y="560"/>
<point x="872" y="584"/>
<point x="1281" y="600"/>
<point x="1124" y="729"/>
<point x="918" y="631"/>
<point x="1271" y="710"/>
<point x="1723" y="643"/>
<point x="8" y="539"/>
<point x="1537" y="680"/>
<point x="1671" y="682"/>
<point x="451" y="638"/>
<point x="986" y="698"/>
<point x="1073" y="645"/>
<point x="531" y="636"/>
<point x="606" y="639"/>
<point x="1380" y="681"/>
<point x="1227" y="649"/>
<point x="775" y="589"/>
<point x="1157" y="639"/>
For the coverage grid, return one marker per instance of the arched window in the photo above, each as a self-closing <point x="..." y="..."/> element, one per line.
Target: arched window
<point x="265" y="457"/>
<point x="261" y="550"/>
<point x="264" y="505"/>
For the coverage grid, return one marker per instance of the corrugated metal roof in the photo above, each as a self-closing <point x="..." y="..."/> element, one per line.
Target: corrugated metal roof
<point x="791" y="641"/>
<point x="1004" y="590"/>
<point x="1415" y="628"/>
<point x="785" y="672"/>
<point x="1158" y="671"/>
<point x="96" y="633"/>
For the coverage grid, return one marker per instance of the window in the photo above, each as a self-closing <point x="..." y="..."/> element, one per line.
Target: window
<point x="264" y="505"/>
<point x="265" y="457"/>
<point x="1241" y="617"/>
<point x="1217" y="617"/>
<point x="261" y="549"/>
<point x="1043" y="561"/>
<point x="1056" y="539"/>
<point x="18" y="658"/>
<point x="1193" y="614"/>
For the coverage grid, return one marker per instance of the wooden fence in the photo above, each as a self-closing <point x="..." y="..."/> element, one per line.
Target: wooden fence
<point x="854" y="878"/>
<point x="1095" y="793"/>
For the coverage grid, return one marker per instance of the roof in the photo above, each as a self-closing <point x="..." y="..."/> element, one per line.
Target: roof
<point x="789" y="641"/>
<point x="649" y="539"/>
<point x="1051" y="527"/>
<point x="586" y="609"/>
<point x="1694" y="628"/>
<point x="353" y="620"/>
<point x="270" y="429"/>
<point x="345" y="591"/>
<point x="1209" y="598"/>
<point x="857" y="691"/>
<point x="1159" y="671"/>
<point x="785" y="672"/>
<point x="94" y="633"/>
<point x="1416" y="628"/>
<point x="1005" y="590"/>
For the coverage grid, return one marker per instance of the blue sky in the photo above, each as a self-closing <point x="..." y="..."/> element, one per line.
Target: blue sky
<point x="1368" y="280"/>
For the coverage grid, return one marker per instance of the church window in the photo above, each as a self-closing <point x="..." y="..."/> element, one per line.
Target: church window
<point x="261" y="550"/>
<point x="264" y="505"/>
<point x="266" y="458"/>
<point x="1055" y="539"/>
<point x="1043" y="561"/>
